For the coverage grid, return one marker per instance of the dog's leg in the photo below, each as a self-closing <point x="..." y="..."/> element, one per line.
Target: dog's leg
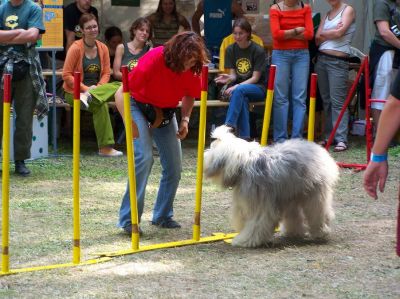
<point x="257" y="231"/>
<point x="238" y="214"/>
<point x="293" y="221"/>
<point x="319" y="213"/>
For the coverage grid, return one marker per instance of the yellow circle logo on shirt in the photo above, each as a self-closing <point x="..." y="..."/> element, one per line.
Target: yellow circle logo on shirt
<point x="243" y="66"/>
<point x="132" y="64"/>
<point x="11" y="21"/>
<point x="93" y="68"/>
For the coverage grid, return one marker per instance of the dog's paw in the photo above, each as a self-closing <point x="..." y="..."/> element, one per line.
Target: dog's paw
<point x="321" y="234"/>
<point x="240" y="241"/>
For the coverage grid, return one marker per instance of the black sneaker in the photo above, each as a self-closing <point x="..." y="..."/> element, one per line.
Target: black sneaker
<point x="128" y="230"/>
<point x="21" y="169"/>
<point x="168" y="223"/>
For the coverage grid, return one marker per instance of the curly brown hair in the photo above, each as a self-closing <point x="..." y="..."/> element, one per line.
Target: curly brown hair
<point x="183" y="47"/>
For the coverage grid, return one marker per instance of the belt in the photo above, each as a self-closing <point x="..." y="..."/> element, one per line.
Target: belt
<point x="334" y="57"/>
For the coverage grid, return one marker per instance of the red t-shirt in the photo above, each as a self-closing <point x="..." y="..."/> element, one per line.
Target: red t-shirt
<point x="152" y="82"/>
<point x="290" y="19"/>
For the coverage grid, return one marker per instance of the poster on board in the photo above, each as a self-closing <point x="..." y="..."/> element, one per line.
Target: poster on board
<point x="53" y="22"/>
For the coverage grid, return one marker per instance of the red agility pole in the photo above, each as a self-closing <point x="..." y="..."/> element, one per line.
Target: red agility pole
<point x="398" y="225"/>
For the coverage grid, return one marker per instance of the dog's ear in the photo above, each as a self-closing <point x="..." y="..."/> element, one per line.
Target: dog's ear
<point x="213" y="165"/>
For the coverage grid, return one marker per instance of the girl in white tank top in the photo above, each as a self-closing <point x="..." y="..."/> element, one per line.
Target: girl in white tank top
<point x="339" y="41"/>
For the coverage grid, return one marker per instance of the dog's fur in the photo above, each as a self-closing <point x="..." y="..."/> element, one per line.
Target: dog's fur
<point x="289" y="183"/>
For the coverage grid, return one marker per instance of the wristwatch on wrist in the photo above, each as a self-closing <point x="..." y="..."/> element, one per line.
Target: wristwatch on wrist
<point x="185" y="118"/>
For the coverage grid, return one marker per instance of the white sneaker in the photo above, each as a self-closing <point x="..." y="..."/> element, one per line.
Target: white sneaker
<point x="109" y="152"/>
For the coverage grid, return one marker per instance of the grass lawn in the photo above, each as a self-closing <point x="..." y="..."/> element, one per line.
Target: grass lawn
<point x="358" y="261"/>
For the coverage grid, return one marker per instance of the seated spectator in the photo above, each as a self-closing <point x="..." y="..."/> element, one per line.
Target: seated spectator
<point x="291" y="29"/>
<point x="129" y="53"/>
<point x="334" y="37"/>
<point x="246" y="63"/>
<point x="167" y="22"/>
<point x="113" y="37"/>
<point x="384" y="48"/>
<point x="90" y="57"/>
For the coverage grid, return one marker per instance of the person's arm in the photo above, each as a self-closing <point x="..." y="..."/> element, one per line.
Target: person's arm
<point x="196" y="17"/>
<point x="376" y="172"/>
<point x="105" y="65"/>
<point x="347" y="19"/>
<point x="7" y="36"/>
<point x="319" y="39"/>
<point x="184" y="23"/>
<point x="387" y="34"/>
<point x="70" y="38"/>
<point x="70" y="66"/>
<point x="119" y="53"/>
<point x="308" y="32"/>
<point x="276" y="31"/>
<point x="186" y="111"/>
<point x="20" y="36"/>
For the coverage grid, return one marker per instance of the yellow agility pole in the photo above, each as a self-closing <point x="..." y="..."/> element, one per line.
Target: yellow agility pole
<point x="268" y="105"/>
<point x="5" y="265"/>
<point x="75" y="171"/>
<point x="200" y="152"/>
<point x="130" y="156"/>
<point x="311" y="113"/>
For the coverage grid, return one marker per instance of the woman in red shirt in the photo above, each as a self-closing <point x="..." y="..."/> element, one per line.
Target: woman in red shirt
<point x="163" y="77"/>
<point x="291" y="28"/>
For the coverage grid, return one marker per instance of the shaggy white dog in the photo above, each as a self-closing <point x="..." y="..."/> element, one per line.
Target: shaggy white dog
<point x="289" y="183"/>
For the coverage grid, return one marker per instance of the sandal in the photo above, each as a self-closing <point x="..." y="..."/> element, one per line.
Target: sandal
<point x="340" y="147"/>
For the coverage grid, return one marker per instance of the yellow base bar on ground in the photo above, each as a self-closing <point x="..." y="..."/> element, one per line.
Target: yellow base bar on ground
<point x="57" y="266"/>
<point x="214" y="238"/>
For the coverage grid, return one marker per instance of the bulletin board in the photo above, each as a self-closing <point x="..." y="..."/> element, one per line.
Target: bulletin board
<point x="53" y="22"/>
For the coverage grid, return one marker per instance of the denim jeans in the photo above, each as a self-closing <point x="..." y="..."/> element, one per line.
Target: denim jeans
<point x="238" y="111"/>
<point x="169" y="148"/>
<point x="333" y="74"/>
<point x="292" y="69"/>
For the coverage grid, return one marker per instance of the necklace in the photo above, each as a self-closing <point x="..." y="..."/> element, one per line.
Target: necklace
<point x="89" y="46"/>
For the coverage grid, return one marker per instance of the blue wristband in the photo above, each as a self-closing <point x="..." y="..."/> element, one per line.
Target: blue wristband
<point x="378" y="158"/>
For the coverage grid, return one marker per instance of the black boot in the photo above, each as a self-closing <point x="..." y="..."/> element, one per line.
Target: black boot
<point x="21" y="169"/>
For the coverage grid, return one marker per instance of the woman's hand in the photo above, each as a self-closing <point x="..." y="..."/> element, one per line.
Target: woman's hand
<point x="223" y="79"/>
<point x="183" y="129"/>
<point x="299" y="30"/>
<point x="229" y="90"/>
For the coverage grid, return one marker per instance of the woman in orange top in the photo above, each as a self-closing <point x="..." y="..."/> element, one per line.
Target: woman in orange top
<point x="291" y="28"/>
<point x="90" y="57"/>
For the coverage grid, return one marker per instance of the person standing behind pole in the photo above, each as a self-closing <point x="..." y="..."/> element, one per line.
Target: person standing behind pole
<point x="218" y="15"/>
<point x="21" y="25"/>
<point x="384" y="49"/>
<point x="163" y="77"/>
<point x="166" y="22"/>
<point x="334" y="36"/>
<point x="291" y="29"/>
